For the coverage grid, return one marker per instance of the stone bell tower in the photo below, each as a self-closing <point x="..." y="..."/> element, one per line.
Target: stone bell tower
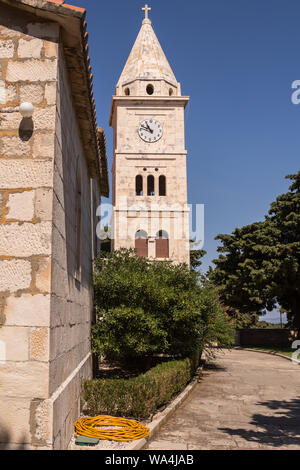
<point x="149" y="167"/>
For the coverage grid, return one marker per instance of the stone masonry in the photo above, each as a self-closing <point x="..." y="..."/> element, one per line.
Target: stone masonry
<point x="147" y="66"/>
<point x="45" y="296"/>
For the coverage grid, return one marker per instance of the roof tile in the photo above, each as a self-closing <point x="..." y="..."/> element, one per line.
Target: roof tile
<point x="72" y="7"/>
<point x="59" y="2"/>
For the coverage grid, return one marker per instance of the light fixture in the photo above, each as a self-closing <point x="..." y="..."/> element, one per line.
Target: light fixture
<point x="26" y="110"/>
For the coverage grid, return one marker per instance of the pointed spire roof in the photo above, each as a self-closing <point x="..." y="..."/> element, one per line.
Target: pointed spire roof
<point x="147" y="59"/>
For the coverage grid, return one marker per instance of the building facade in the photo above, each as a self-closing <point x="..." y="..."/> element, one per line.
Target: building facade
<point x="53" y="171"/>
<point x="149" y="169"/>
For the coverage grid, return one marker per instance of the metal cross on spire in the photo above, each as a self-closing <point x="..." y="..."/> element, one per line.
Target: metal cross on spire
<point x="146" y="10"/>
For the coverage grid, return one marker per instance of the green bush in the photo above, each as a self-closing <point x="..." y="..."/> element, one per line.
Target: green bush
<point x="128" y="333"/>
<point x="219" y="327"/>
<point x="141" y="396"/>
<point x="146" y="307"/>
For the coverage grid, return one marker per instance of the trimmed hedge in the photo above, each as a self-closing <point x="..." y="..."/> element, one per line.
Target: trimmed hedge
<point x="141" y="396"/>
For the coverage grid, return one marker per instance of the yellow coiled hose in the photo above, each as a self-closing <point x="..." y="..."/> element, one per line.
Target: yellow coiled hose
<point x="130" y="430"/>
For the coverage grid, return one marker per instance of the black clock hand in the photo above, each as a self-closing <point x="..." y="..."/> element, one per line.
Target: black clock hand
<point x="145" y="129"/>
<point x="150" y="130"/>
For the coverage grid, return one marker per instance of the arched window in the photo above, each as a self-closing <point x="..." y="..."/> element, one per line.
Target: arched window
<point x="162" y="186"/>
<point x="150" y="184"/>
<point x="141" y="243"/>
<point x="127" y="91"/>
<point x="78" y="225"/>
<point x="139" y="185"/>
<point x="162" y="244"/>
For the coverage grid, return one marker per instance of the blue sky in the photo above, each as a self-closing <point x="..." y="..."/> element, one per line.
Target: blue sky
<point x="236" y="59"/>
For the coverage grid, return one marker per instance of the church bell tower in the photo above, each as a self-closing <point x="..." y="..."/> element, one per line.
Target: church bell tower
<point x="150" y="211"/>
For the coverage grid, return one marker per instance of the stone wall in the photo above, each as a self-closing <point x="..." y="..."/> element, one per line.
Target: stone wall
<point x="71" y="300"/>
<point x="167" y="157"/>
<point x="262" y="337"/>
<point x="28" y="62"/>
<point x="45" y="306"/>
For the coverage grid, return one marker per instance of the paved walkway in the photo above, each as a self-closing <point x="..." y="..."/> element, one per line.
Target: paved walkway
<point x="248" y="400"/>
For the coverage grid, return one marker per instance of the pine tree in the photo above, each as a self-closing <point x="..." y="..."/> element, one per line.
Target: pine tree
<point x="259" y="264"/>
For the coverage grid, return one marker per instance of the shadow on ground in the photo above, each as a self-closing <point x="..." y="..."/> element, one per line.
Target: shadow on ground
<point x="282" y="428"/>
<point x="111" y="369"/>
<point x="213" y="366"/>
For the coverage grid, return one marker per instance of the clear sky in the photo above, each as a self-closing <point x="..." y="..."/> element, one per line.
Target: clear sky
<point x="236" y="59"/>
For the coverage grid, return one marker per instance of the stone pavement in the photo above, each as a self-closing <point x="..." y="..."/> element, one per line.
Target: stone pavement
<point x="246" y="400"/>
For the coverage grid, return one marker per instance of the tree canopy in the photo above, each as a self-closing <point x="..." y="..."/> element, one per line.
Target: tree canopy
<point x="196" y="256"/>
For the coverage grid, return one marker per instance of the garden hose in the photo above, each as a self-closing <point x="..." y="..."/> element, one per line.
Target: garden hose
<point x="129" y="430"/>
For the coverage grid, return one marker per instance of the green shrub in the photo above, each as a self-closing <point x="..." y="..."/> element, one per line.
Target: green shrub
<point x="146" y="307"/>
<point x="141" y="396"/>
<point x="127" y="333"/>
<point x="219" y="327"/>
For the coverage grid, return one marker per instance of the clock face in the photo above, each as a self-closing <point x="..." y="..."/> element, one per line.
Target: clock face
<point x="150" y="130"/>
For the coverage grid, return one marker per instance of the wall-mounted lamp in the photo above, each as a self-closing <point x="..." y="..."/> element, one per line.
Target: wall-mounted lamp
<point x="26" y="110"/>
<point x="27" y="125"/>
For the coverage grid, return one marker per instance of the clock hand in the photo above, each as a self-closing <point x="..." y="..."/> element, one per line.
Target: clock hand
<point x="150" y="130"/>
<point x="145" y="129"/>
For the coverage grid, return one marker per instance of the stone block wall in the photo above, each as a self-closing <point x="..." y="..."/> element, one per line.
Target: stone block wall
<point x="71" y="300"/>
<point x="166" y="157"/>
<point x="28" y="72"/>
<point x="45" y="304"/>
<point x="262" y="337"/>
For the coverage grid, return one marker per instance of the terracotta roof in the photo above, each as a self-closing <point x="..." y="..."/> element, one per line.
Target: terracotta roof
<point x="66" y="5"/>
<point x="58" y="6"/>
<point x="72" y="20"/>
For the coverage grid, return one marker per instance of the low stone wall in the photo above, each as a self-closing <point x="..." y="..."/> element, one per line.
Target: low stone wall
<point x="262" y="337"/>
